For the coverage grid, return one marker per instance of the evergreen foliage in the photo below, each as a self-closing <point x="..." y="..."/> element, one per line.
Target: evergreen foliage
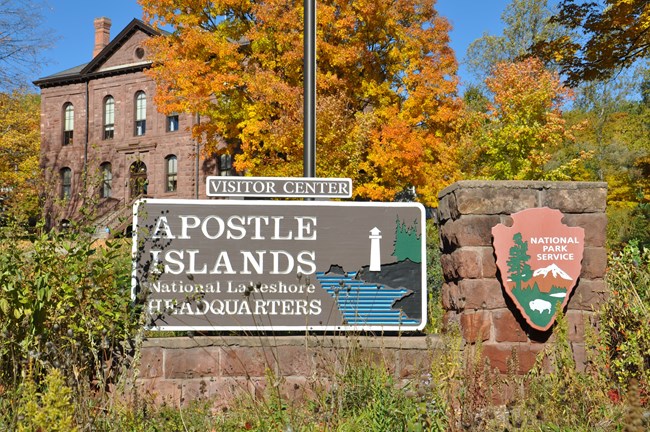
<point x="408" y="244"/>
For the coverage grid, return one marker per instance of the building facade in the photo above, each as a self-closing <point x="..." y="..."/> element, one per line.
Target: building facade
<point x="104" y="143"/>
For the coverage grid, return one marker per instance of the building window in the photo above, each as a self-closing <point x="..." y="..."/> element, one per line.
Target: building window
<point x="109" y="117"/>
<point x="225" y="164"/>
<point x="66" y="183"/>
<point x="171" y="164"/>
<point x="140" y="113"/>
<point x="68" y="123"/>
<point x="107" y="180"/>
<point x="172" y="123"/>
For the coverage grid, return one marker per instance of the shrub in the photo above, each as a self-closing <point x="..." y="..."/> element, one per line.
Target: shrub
<point x="50" y="410"/>
<point x="625" y="317"/>
<point x="64" y="305"/>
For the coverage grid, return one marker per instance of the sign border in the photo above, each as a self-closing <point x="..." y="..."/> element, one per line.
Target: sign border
<point x="245" y="203"/>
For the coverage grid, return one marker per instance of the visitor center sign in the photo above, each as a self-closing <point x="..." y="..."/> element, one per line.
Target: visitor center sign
<point x="279" y="265"/>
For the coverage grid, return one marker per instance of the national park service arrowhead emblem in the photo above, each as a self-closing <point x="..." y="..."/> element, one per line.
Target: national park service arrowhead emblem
<point x="540" y="260"/>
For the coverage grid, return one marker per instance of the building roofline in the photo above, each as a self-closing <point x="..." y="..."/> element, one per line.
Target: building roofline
<point x="88" y="71"/>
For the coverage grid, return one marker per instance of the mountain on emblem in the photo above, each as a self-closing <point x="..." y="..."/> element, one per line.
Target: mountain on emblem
<point x="554" y="270"/>
<point x="538" y="240"/>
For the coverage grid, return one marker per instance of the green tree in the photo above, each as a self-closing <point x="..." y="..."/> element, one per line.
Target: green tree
<point x="408" y="244"/>
<point x="518" y="268"/>
<point x="523" y="126"/>
<point x="613" y="129"/>
<point x="525" y="23"/>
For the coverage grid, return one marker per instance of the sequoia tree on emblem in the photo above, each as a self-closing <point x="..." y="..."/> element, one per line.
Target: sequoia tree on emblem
<point x="539" y="259"/>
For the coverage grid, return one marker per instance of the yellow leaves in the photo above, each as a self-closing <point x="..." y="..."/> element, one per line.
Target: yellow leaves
<point x="19" y="152"/>
<point x="523" y="127"/>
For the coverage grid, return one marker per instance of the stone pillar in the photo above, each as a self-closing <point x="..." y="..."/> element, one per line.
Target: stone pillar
<point x="472" y="294"/>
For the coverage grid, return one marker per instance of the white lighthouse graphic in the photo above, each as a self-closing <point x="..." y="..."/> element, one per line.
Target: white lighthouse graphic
<point x="375" y="250"/>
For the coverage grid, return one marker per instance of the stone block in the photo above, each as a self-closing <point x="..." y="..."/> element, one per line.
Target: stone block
<point x="414" y="364"/>
<point x="191" y="363"/>
<point x="476" y="326"/>
<point x="580" y="356"/>
<point x="452" y="299"/>
<point x="249" y="362"/>
<point x="500" y="353"/>
<point x="295" y="360"/>
<point x="161" y="391"/>
<point x="588" y="295"/>
<point x="326" y="361"/>
<point x="576" y="198"/>
<point x="151" y="362"/>
<point x="493" y="200"/>
<point x="450" y="320"/>
<point x="468" y="263"/>
<point x="470" y="230"/>
<point x="379" y="357"/>
<point x="594" y="263"/>
<point x="226" y="391"/>
<point x="577" y="321"/>
<point x="506" y="327"/>
<point x="297" y="389"/>
<point x="447" y="208"/>
<point x="488" y="263"/>
<point x="481" y="294"/>
<point x="449" y="270"/>
<point x="594" y="224"/>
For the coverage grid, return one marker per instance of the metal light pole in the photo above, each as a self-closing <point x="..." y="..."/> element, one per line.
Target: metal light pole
<point x="309" y="77"/>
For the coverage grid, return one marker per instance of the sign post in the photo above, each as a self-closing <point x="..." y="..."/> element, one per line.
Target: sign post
<point x="284" y="265"/>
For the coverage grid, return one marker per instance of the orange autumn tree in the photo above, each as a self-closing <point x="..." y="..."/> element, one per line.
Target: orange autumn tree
<point x="386" y="87"/>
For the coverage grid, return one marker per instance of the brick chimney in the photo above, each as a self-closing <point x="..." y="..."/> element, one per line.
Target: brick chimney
<point x="102" y="34"/>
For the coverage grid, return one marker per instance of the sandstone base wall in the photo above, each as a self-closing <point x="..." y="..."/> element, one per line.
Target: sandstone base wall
<point x="178" y="369"/>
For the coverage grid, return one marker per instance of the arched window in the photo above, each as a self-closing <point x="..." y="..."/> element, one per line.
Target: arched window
<point x="68" y="123"/>
<point x="140" y="113"/>
<point x="66" y="183"/>
<point x="171" y="164"/>
<point x="109" y="117"/>
<point x="107" y="180"/>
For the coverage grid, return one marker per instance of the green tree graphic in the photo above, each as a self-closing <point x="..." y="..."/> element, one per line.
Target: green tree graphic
<point x="518" y="267"/>
<point x="407" y="242"/>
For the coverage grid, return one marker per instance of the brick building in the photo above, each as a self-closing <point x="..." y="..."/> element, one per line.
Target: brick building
<point x="102" y="139"/>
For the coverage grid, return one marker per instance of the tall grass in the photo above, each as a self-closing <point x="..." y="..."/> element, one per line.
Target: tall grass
<point x="68" y="361"/>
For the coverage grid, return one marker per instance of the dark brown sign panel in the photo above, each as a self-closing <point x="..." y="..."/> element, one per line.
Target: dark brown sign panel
<point x="250" y="265"/>
<point x="539" y="259"/>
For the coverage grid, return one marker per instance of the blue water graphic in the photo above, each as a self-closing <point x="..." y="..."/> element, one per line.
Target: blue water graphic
<point x="363" y="303"/>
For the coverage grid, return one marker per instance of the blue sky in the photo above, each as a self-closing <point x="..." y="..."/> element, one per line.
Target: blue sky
<point x="70" y="22"/>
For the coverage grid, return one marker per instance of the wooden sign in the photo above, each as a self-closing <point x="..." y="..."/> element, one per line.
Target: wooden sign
<point x="539" y="259"/>
<point x="280" y="265"/>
